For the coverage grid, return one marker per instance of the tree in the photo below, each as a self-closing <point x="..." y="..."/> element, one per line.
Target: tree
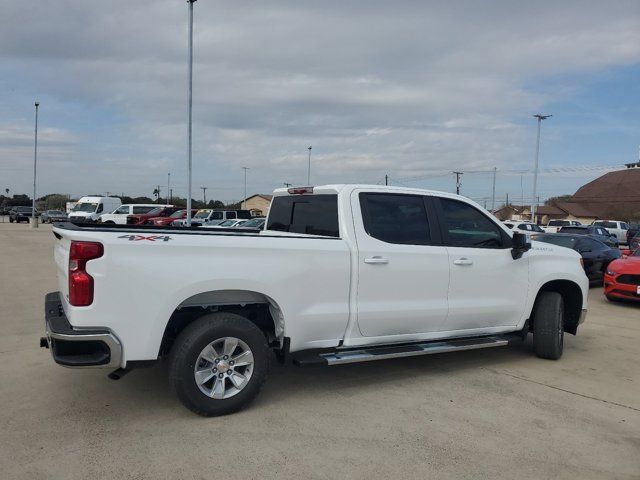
<point x="561" y="198"/>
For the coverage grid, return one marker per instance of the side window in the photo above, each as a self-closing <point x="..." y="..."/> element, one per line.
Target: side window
<point x="395" y="218"/>
<point x="468" y="227"/>
<point x="624" y="226"/>
<point x="231" y="214"/>
<point x="100" y="208"/>
<point x="124" y="210"/>
<point x="311" y="214"/>
<point x="142" y="210"/>
<point x="216" y="216"/>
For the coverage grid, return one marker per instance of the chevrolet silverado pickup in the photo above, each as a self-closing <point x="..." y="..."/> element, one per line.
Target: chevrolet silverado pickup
<point x="340" y="274"/>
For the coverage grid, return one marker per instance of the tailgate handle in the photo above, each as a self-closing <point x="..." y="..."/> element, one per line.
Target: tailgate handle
<point x="376" y="260"/>
<point x="463" y="261"/>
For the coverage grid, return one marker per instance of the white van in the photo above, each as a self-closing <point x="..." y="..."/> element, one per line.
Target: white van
<point x="89" y="209"/>
<point x="119" y="215"/>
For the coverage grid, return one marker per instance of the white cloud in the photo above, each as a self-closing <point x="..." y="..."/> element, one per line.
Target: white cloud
<point x="405" y="87"/>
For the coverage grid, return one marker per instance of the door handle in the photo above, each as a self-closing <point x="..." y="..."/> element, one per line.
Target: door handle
<point x="463" y="261"/>
<point x="376" y="260"/>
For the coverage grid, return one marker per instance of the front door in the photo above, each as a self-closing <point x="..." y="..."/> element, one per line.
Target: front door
<point x="487" y="288"/>
<point x="403" y="271"/>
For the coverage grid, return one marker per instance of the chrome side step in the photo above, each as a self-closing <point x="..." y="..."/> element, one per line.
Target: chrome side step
<point x="341" y="357"/>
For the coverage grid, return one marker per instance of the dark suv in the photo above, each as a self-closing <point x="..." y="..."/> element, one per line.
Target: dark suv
<point x="19" y="214"/>
<point x="600" y="233"/>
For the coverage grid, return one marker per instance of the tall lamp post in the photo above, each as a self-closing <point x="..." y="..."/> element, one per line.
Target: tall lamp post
<point x="245" y="187"/>
<point x="309" y="168"/>
<point x="34" y="220"/>
<point x="535" y="167"/>
<point x="168" y="183"/>
<point x="189" y="108"/>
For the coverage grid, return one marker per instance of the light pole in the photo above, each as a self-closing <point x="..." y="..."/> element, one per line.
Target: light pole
<point x="493" y="196"/>
<point x="168" y="183"/>
<point x="189" y="108"/>
<point x="204" y="194"/>
<point x="535" y="167"/>
<point x="245" y="187"/>
<point x="34" y="220"/>
<point x="309" y="168"/>
<point x="458" y="182"/>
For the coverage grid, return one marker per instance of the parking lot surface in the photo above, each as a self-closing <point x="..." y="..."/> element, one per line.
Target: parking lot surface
<point x="495" y="413"/>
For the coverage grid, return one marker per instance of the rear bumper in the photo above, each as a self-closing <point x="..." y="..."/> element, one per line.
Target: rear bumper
<point x="77" y="348"/>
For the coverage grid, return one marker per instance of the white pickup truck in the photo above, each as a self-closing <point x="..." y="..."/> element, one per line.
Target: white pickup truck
<point x="341" y="274"/>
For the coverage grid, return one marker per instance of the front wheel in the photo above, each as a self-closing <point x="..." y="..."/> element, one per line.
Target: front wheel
<point x="218" y="364"/>
<point x="548" y="326"/>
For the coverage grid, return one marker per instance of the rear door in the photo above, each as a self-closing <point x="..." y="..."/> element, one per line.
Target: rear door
<point x="403" y="269"/>
<point x="487" y="287"/>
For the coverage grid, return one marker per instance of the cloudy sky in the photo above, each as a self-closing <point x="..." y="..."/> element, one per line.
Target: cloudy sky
<point x="412" y="89"/>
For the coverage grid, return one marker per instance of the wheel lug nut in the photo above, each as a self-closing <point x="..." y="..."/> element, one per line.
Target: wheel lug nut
<point x="225" y="357"/>
<point x="220" y="375"/>
<point x="231" y="362"/>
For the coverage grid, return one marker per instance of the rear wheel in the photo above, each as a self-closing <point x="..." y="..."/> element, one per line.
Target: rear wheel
<point x="548" y="326"/>
<point x="218" y="364"/>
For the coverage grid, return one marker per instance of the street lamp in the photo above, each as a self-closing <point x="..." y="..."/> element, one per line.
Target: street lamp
<point x="309" y="168"/>
<point x="535" y="168"/>
<point x="245" y="187"/>
<point x="34" y="220"/>
<point x="189" y="108"/>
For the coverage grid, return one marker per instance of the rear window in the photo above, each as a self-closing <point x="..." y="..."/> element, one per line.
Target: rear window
<point x="142" y="210"/>
<point x="578" y="230"/>
<point x="605" y="224"/>
<point x="558" y="223"/>
<point x="245" y="214"/>
<point x="310" y="214"/>
<point x="568" y="242"/>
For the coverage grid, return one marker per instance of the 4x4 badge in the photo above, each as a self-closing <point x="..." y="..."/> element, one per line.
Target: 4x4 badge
<point x="151" y="238"/>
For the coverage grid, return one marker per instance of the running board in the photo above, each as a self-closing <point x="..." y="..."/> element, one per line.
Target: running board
<point x="341" y="357"/>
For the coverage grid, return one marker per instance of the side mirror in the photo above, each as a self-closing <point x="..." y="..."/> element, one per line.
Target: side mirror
<point x="519" y="245"/>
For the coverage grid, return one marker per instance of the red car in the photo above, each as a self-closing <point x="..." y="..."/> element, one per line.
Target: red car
<point x="622" y="278"/>
<point x="141" y="218"/>
<point x="164" y="221"/>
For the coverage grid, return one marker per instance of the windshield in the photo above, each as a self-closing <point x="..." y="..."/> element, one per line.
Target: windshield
<point x="227" y="223"/>
<point x="202" y="214"/>
<point x="85" y="207"/>
<point x="568" y="242"/>
<point x="558" y="223"/>
<point x="254" y="223"/>
<point x="154" y="212"/>
<point x="178" y="214"/>
<point x="54" y="212"/>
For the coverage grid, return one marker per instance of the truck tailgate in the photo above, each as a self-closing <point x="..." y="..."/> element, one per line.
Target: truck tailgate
<point x="61" y="258"/>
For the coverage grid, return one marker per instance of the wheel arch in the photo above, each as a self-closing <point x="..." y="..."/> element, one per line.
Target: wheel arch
<point x="573" y="300"/>
<point x="255" y="306"/>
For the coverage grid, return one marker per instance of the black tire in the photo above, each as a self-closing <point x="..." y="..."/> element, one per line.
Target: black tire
<point x="193" y="339"/>
<point x="10" y="220"/>
<point x="548" y="326"/>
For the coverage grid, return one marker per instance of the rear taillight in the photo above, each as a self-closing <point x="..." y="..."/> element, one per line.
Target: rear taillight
<point x="80" y="282"/>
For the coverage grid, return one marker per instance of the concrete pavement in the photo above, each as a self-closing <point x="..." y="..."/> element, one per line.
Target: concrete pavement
<point x="495" y="413"/>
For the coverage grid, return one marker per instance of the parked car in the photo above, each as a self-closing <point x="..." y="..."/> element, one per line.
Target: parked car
<point x="601" y="233"/>
<point x="342" y="274"/>
<point x="161" y="211"/>
<point x="89" y="209"/>
<point x="166" y="221"/>
<point x="211" y="217"/>
<point x="119" y="215"/>
<point x="50" y="216"/>
<point x="633" y="236"/>
<point x="614" y="227"/>
<point x="527" y="228"/>
<point x="596" y="255"/>
<point x="19" y="214"/>
<point x="229" y="223"/>
<point x="622" y="278"/>
<point x="255" y="222"/>
<point x="5" y="210"/>
<point x="554" y="226"/>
